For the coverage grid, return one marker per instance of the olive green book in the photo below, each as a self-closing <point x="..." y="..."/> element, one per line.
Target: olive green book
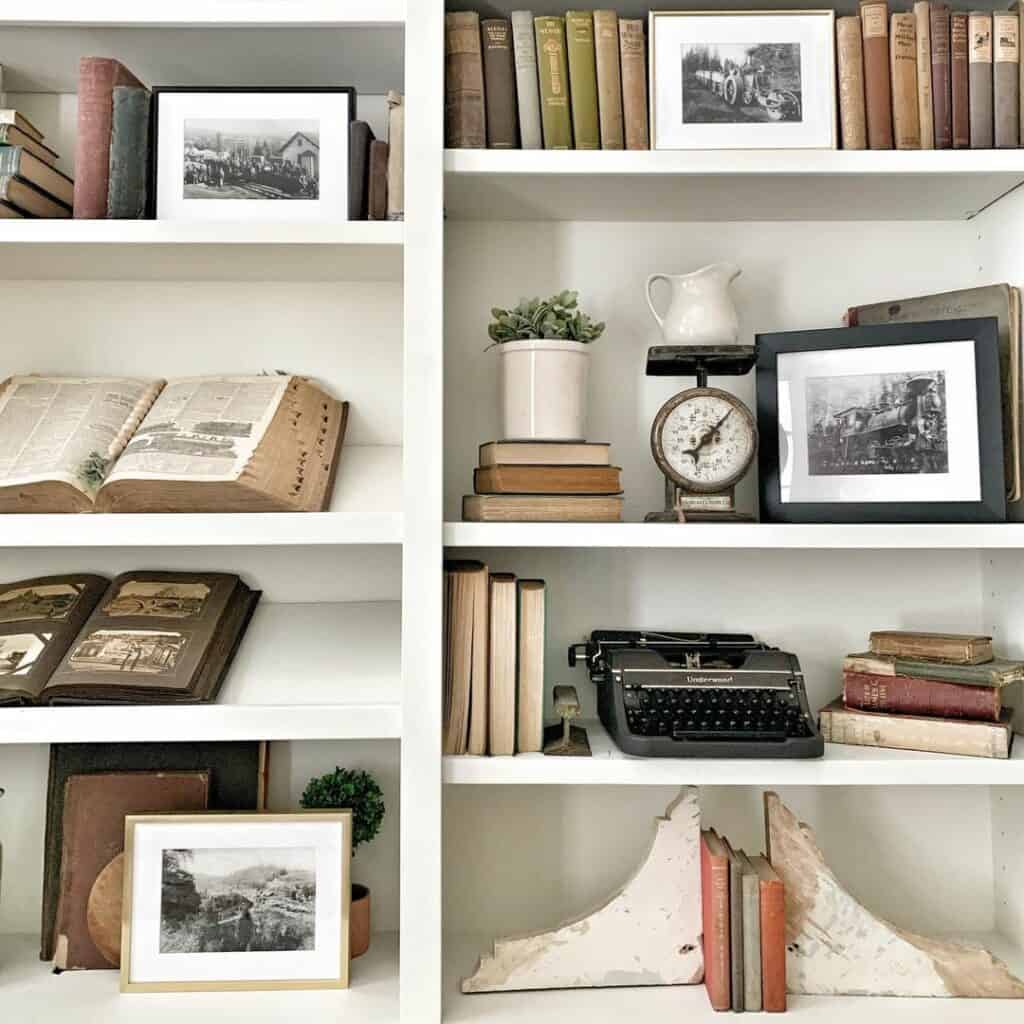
<point x="553" y="73"/>
<point x="579" y="34"/>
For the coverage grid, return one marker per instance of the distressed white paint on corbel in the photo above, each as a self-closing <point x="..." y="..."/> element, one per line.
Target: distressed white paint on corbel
<point x="647" y="933"/>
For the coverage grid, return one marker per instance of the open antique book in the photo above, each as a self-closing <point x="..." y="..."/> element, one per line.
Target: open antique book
<point x="201" y="444"/>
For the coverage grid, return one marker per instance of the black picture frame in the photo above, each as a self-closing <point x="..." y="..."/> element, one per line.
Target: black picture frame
<point x="992" y="505"/>
<point x="154" y="118"/>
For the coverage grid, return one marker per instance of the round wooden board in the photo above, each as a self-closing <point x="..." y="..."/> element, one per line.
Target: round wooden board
<point x="103" y="911"/>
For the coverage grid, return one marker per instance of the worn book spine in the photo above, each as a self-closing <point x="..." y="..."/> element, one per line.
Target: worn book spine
<point x="377" y="185"/>
<point x="714" y="884"/>
<point x="959" y="81"/>
<point x="958" y="649"/>
<point x="903" y="61"/>
<point x="547" y="480"/>
<point x="874" y="16"/>
<point x="1018" y="8"/>
<point x="609" y="79"/>
<point x="129" y="150"/>
<point x="527" y="87"/>
<point x="553" y="77"/>
<point x="850" y="61"/>
<point x="579" y="34"/>
<point x="633" y="57"/>
<point x="360" y="135"/>
<point x="499" y="84"/>
<point x="464" y="120"/>
<point x="915" y="696"/>
<point x="773" y="946"/>
<point x="979" y="27"/>
<point x="396" y="156"/>
<point x="752" y="982"/>
<point x="994" y="673"/>
<point x="1006" y="76"/>
<point x="925" y="113"/>
<point x="736" y="965"/>
<point x="942" y="114"/>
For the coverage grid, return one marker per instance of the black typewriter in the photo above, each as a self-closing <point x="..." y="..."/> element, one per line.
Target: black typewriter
<point x="699" y="695"/>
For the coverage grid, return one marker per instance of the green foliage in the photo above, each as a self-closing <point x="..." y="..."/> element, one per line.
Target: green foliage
<point x="93" y="470"/>
<point x="353" y="790"/>
<point x="558" y="317"/>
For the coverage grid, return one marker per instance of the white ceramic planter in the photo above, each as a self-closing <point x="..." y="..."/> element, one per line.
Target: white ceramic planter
<point x="544" y="390"/>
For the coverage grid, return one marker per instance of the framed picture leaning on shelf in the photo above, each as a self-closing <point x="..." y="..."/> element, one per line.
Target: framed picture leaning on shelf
<point x="892" y="423"/>
<point x="251" y="154"/>
<point x="743" y="80"/>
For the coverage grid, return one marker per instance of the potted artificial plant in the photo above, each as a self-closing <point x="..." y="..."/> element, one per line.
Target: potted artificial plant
<point x="357" y="791"/>
<point x="544" y="357"/>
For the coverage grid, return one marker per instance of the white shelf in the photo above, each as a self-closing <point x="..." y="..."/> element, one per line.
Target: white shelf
<point x="732" y="185"/>
<point x="365" y="509"/>
<point x="33" y="994"/>
<point x="303" y="671"/>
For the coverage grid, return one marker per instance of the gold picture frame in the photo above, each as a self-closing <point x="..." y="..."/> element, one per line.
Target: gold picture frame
<point x="328" y="819"/>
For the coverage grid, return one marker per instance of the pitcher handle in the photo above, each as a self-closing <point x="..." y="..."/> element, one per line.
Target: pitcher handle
<point x="650" y="301"/>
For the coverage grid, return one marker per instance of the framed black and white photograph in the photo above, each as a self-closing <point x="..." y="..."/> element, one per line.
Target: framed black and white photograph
<point x="893" y="423"/>
<point x="251" y="154"/>
<point x="743" y="80"/>
<point x="236" y="901"/>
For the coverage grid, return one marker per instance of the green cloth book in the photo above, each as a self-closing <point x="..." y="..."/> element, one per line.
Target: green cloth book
<point x="997" y="672"/>
<point x="553" y="73"/>
<point x="579" y="33"/>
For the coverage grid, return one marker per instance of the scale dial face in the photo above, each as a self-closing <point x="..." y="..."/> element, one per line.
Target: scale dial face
<point x="704" y="439"/>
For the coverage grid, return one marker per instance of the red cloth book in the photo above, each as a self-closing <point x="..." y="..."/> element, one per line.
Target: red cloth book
<point x="714" y="884"/>
<point x="909" y="695"/>
<point x="773" y="937"/>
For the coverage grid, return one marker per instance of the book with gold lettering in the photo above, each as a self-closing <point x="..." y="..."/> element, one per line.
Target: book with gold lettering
<point x="553" y="73"/>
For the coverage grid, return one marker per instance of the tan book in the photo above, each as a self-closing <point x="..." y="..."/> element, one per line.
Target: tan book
<point x="903" y="63"/>
<point x="544" y="453"/>
<point x="503" y="654"/>
<point x="951" y="648"/>
<point x="8" y="211"/>
<point x="925" y="111"/>
<point x="29" y="199"/>
<point x="548" y="480"/>
<point x="1006" y="78"/>
<point x="530" y="695"/>
<point x="531" y="508"/>
<point x="633" y="57"/>
<point x="979" y="29"/>
<point x="19" y="120"/>
<point x="609" y="79"/>
<point x="941" y="116"/>
<point x="874" y="15"/>
<point x="959" y="80"/>
<point x="466" y="663"/>
<point x="850" y="66"/>
<point x="911" y="732"/>
<point x="11" y="135"/>
<point x="21" y="162"/>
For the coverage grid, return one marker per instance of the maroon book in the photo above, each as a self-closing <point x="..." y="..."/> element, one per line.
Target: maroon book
<point x="907" y="695"/>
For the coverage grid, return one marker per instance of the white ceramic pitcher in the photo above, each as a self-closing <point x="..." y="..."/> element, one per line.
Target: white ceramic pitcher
<point x="701" y="311"/>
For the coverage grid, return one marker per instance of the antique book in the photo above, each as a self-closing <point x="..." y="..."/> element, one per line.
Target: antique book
<point x="237" y="782"/>
<point x="941" y="96"/>
<point x="13" y="117"/>
<point x="1006" y="76"/>
<point x="11" y="135"/>
<point x="997" y="672"/>
<point x="553" y="77"/>
<point x="112" y="144"/>
<point x="360" y="135"/>
<point x="751" y="886"/>
<point x="714" y="886"/>
<point x="737" y="965"/>
<point x="530" y="694"/>
<point x="773" y="936"/>
<point x="499" y="84"/>
<point x="874" y="15"/>
<point x="464" y="119"/>
<point x="952" y="648"/>
<point x="543" y="453"/>
<point x="502" y="674"/>
<point x="17" y="161"/>
<point x="396" y="155"/>
<point x="201" y="444"/>
<point x="633" y="67"/>
<point x="8" y="211"/>
<point x="840" y="724"/>
<point x="95" y="805"/>
<point x="609" y="79"/>
<point x="850" y="68"/>
<point x="30" y="200"/>
<point x="1018" y="9"/>
<point x="916" y="695"/>
<point x="377" y="181"/>
<point x="979" y="28"/>
<point x="527" y="87"/>
<point x="466" y="665"/>
<point x="959" y="80"/>
<point x="925" y="113"/>
<point x="515" y="479"/>
<point x="537" y="508"/>
<point x="582" y="56"/>
<point x="903" y="59"/>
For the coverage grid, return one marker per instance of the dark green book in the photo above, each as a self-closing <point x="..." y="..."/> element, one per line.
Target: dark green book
<point x="553" y="73"/>
<point x="579" y="34"/>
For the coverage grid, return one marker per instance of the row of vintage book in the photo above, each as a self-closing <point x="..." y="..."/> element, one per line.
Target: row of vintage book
<point x="930" y="78"/>
<point x="30" y="183"/>
<point x="936" y="692"/>
<point x="572" y="82"/>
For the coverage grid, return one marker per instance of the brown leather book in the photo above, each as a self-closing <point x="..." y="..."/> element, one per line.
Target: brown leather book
<point x="874" y="16"/>
<point x="979" y="29"/>
<point x="609" y="79"/>
<point x="714" y="885"/>
<point x="633" y="55"/>
<point x="377" y="182"/>
<point x="850" y="67"/>
<point x="959" y="81"/>
<point x="502" y="116"/>
<point x="903" y="59"/>
<point x="910" y="695"/>
<point x="541" y="508"/>
<point x="949" y="648"/>
<point x="548" y="480"/>
<point x="941" y="94"/>
<point x="1006" y="79"/>
<point x="88" y="932"/>
<point x="773" y="937"/>
<point x="464" y="118"/>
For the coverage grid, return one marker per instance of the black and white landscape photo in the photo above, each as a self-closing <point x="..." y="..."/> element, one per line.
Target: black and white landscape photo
<point x="216" y="900"/>
<point x="877" y="424"/>
<point x="251" y="158"/>
<point x="741" y="83"/>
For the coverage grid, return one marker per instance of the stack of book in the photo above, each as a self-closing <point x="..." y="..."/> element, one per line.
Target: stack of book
<point x="937" y="692"/>
<point x="493" y="661"/>
<point x="544" y="482"/>
<point x="30" y="184"/>
<point x="930" y="78"/>
<point x="588" y="90"/>
<point x="744" y="910"/>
